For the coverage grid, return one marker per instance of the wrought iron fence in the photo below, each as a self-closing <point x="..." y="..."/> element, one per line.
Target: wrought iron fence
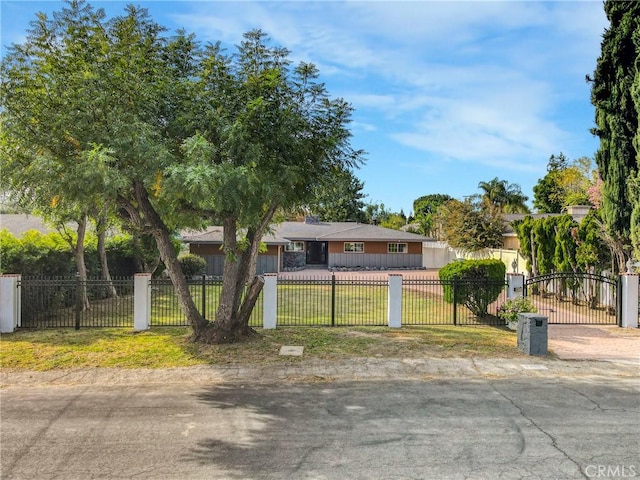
<point x="324" y="301"/>
<point x="205" y="291"/>
<point x="575" y="297"/>
<point x="310" y="301"/>
<point x="72" y="302"/>
<point x="364" y="301"/>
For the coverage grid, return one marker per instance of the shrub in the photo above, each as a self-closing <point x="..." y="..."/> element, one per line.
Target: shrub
<point x="35" y="254"/>
<point x="476" y="283"/>
<point x="510" y="309"/>
<point x="192" y="264"/>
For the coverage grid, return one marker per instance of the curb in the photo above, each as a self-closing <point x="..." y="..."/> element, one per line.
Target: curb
<point x="313" y="371"/>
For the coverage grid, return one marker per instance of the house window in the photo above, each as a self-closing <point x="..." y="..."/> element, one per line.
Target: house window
<point x="294" y="247"/>
<point x="354" y="247"/>
<point x="397" y="248"/>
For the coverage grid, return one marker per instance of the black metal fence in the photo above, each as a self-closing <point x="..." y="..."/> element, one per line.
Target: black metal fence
<point x="71" y="302"/>
<point x="310" y="301"/>
<point x="575" y="298"/>
<point x="205" y="291"/>
<point x="330" y="301"/>
<point x="333" y="301"/>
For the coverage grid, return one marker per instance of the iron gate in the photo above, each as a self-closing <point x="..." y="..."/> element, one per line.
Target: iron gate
<point x="575" y="297"/>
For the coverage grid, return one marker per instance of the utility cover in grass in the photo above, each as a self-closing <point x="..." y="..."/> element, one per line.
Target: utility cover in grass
<point x="291" y="350"/>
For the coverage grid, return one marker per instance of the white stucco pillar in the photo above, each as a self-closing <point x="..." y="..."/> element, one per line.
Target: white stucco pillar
<point x="629" y="313"/>
<point x="515" y="285"/>
<point x="9" y="303"/>
<point x="270" y="301"/>
<point x="395" y="301"/>
<point x="141" y="301"/>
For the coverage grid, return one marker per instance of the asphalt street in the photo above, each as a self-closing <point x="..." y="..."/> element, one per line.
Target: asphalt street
<point x="529" y="427"/>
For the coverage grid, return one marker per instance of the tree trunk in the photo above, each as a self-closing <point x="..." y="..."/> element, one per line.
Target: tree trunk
<point x="151" y="219"/>
<point x="225" y="315"/>
<point x="236" y="299"/>
<point x="534" y="259"/>
<point x="101" y="230"/>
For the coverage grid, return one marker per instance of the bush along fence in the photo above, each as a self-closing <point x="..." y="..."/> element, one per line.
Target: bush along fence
<point x="142" y="302"/>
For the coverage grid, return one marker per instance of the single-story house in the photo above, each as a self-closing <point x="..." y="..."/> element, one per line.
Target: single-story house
<point x="309" y="244"/>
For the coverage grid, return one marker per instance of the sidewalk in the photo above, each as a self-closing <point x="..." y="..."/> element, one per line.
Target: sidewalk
<point x="311" y="370"/>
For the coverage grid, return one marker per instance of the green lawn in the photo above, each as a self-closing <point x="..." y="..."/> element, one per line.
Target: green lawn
<point x="170" y="347"/>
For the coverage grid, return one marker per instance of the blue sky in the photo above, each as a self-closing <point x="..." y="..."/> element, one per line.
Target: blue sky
<point x="446" y="94"/>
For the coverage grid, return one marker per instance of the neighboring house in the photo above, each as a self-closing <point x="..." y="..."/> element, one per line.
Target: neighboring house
<point x="18" y="224"/>
<point x="510" y="238"/>
<point x="297" y="245"/>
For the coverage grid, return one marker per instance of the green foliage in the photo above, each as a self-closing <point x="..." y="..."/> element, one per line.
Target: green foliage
<point x="566" y="183"/>
<point x="35" y="254"/>
<point x="564" y="257"/>
<point x="424" y="210"/>
<point x="338" y="198"/>
<point x="192" y="264"/>
<point x="467" y="227"/>
<point x="510" y="309"/>
<point x="500" y="196"/>
<point x="112" y="112"/>
<point x="614" y="93"/>
<point x="561" y="244"/>
<point x="395" y="221"/>
<point x="476" y="283"/>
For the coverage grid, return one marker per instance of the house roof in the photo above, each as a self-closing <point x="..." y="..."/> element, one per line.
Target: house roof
<point x="214" y="235"/>
<point x="578" y="212"/>
<point x="344" y="231"/>
<point x="18" y="224"/>
<point x="320" y="231"/>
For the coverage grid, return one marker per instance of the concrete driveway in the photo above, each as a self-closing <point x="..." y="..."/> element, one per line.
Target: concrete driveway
<point x="595" y="342"/>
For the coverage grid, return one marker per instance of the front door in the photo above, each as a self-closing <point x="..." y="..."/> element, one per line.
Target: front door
<point x="317" y="253"/>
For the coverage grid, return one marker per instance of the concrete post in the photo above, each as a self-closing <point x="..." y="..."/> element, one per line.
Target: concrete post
<point x="515" y="285"/>
<point x="9" y="303"/>
<point x="532" y="333"/>
<point x="395" y="301"/>
<point x="141" y="301"/>
<point x="270" y="301"/>
<point x="629" y="314"/>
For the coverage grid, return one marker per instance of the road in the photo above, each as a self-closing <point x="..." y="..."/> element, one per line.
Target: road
<point x="448" y="428"/>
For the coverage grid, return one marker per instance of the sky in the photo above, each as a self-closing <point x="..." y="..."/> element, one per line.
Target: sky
<point x="446" y="93"/>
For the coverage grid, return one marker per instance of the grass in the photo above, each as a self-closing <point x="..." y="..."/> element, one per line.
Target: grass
<point x="170" y="347"/>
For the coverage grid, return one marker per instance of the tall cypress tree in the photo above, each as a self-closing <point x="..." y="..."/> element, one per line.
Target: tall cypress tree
<point x="618" y="157"/>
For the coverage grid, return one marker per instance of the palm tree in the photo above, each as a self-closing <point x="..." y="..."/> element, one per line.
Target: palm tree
<point x="501" y="196"/>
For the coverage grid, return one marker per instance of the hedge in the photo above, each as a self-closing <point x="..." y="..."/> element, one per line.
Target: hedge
<point x="476" y="283"/>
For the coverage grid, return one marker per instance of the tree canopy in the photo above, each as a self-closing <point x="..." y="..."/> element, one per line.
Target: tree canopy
<point x="500" y="196"/>
<point x="174" y="133"/>
<point x="566" y="183"/>
<point x="467" y="227"/>
<point x="614" y="93"/>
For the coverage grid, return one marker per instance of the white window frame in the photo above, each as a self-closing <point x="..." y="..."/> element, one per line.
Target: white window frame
<point x="353" y="247"/>
<point x="397" y="245"/>
<point x="294" y="247"/>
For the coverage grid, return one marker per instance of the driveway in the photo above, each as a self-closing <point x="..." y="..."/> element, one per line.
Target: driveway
<point x="595" y="342"/>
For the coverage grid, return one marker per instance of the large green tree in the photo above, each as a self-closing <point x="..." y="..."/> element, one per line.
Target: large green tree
<point x="566" y="183"/>
<point x="424" y="209"/>
<point x="182" y="135"/>
<point x="468" y="227"/>
<point x="500" y="196"/>
<point x="338" y="198"/>
<point x="614" y="95"/>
